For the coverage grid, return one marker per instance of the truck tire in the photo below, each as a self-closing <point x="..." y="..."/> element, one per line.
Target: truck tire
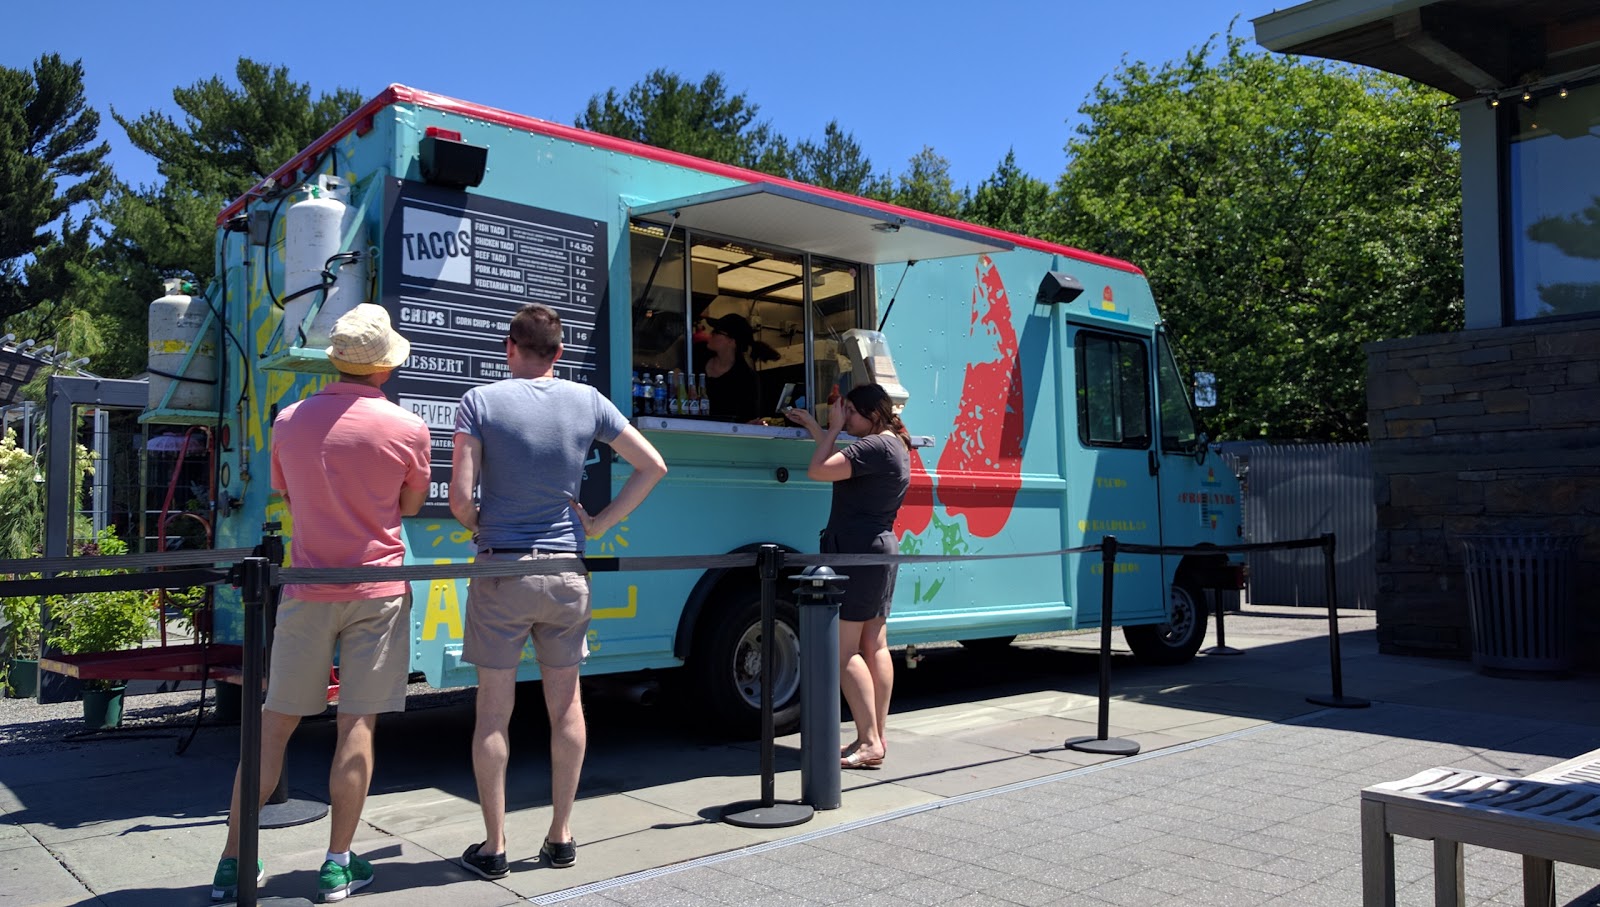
<point x="1175" y="640"/>
<point x="726" y="668"/>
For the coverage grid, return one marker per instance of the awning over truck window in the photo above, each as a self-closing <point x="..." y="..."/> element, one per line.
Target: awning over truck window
<point x="802" y="221"/>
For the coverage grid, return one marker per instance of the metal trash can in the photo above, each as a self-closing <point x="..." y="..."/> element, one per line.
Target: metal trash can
<point x="1519" y="596"/>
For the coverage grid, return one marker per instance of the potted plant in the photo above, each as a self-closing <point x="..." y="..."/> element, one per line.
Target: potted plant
<point x="19" y="645"/>
<point x="102" y="622"/>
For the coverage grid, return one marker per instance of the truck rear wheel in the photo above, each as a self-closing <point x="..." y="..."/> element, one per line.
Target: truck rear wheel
<point x="1175" y="640"/>
<point x="727" y="668"/>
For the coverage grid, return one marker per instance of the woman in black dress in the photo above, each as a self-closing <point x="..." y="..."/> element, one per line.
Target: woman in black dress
<point x="870" y="479"/>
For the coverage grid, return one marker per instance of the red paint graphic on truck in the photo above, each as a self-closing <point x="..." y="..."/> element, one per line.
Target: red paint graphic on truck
<point x="916" y="512"/>
<point x="980" y="468"/>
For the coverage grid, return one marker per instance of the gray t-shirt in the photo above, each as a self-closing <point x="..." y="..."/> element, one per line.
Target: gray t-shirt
<point x="866" y="503"/>
<point x="536" y="434"/>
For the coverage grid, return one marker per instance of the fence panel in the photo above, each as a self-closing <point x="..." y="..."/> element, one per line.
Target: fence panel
<point x="1301" y="491"/>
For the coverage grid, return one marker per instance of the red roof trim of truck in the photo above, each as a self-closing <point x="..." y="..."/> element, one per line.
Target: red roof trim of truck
<point x="400" y="94"/>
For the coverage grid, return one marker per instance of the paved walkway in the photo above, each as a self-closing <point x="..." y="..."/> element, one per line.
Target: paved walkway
<point x="1243" y="794"/>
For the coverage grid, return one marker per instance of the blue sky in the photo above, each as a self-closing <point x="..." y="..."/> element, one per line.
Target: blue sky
<point x="969" y="79"/>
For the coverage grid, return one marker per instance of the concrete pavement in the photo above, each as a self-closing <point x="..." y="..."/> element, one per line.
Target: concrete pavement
<point x="1243" y="793"/>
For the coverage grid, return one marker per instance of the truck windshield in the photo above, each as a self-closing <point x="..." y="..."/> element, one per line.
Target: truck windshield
<point x="1178" y="425"/>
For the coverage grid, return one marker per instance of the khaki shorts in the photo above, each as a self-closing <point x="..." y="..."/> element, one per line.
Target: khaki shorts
<point x="374" y="655"/>
<point x="504" y="611"/>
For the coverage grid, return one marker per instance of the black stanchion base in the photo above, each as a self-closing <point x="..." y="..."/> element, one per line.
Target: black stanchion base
<point x="1222" y="650"/>
<point x="1339" y="702"/>
<point x="291" y="812"/>
<point x="1110" y="746"/>
<point x="752" y="814"/>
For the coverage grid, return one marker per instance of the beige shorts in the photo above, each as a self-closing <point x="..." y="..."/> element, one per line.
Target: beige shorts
<point x="374" y="655"/>
<point x="504" y="611"/>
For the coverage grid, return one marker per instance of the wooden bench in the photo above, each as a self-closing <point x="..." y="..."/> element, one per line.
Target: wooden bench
<point x="1548" y="817"/>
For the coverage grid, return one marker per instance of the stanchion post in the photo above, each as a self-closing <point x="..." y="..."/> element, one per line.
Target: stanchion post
<point x="1222" y="647"/>
<point x="767" y="812"/>
<point x="1103" y="743"/>
<point x="280" y="811"/>
<point x="1338" y="700"/>
<point x="817" y="595"/>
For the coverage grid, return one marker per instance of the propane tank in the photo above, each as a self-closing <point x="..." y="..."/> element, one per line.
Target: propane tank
<point x="314" y="229"/>
<point x="175" y="323"/>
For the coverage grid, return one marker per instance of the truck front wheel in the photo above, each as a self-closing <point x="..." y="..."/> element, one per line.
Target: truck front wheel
<point x="727" y="668"/>
<point x="1175" y="640"/>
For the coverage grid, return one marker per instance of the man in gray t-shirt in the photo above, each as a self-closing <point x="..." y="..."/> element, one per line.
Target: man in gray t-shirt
<point x="522" y="443"/>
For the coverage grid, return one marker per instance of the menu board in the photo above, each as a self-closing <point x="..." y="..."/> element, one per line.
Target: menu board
<point x="456" y="267"/>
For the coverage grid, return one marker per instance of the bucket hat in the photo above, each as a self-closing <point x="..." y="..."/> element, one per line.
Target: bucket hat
<point x="364" y="342"/>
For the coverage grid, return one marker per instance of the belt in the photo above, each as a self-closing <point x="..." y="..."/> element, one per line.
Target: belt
<point x="534" y="550"/>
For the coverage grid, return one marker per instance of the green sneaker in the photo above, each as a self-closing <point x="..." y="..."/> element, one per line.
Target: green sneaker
<point x="225" y="884"/>
<point x="339" y="882"/>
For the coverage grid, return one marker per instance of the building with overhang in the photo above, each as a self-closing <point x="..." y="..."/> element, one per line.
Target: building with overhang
<point x="1495" y="429"/>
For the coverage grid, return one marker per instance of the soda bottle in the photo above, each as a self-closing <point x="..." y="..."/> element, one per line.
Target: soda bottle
<point x="661" y="394"/>
<point x="693" y="395"/>
<point x="705" y="399"/>
<point x="674" y="393"/>
<point x="637" y="395"/>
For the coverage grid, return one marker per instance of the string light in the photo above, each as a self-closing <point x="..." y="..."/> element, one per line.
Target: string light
<point x="1563" y="91"/>
<point x="1527" y="95"/>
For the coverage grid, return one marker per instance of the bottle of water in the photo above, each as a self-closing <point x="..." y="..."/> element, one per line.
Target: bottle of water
<point x="661" y="394"/>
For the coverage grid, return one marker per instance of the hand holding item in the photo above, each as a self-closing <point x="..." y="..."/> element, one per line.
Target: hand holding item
<point x="837" y="416"/>
<point x="802" y="418"/>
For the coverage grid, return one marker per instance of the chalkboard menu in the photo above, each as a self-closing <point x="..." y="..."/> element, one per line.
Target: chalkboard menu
<point x="456" y="267"/>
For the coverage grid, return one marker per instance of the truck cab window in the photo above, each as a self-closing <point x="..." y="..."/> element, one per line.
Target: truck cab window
<point x="1178" y="424"/>
<point x="1113" y="392"/>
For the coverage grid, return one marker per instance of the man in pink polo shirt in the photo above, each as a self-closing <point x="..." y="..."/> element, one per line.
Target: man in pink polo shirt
<point x="349" y="464"/>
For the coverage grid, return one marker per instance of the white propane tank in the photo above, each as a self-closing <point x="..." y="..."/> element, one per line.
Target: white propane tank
<point x="175" y="322"/>
<point x="314" y="229"/>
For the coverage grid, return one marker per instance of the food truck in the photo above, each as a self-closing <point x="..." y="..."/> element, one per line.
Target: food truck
<point x="1045" y="401"/>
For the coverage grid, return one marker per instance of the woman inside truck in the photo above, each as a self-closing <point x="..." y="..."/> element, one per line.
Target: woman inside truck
<point x="731" y="381"/>
<point x="870" y="480"/>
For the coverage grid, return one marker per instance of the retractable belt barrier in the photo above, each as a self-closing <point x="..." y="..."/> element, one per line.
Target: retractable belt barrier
<point x="256" y="576"/>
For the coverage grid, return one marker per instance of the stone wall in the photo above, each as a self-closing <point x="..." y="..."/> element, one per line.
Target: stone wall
<point x="1492" y="430"/>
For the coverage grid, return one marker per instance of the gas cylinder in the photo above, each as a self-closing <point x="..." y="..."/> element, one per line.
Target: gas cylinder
<point x="314" y="231"/>
<point x="175" y="323"/>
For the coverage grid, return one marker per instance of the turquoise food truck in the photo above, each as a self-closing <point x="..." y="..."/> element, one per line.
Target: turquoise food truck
<point x="1047" y="405"/>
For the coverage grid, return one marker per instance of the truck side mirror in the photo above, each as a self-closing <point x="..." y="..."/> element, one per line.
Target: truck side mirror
<point x="1205" y="390"/>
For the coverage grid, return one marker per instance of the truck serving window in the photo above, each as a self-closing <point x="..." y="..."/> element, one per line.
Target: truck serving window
<point x="1113" y="391"/>
<point x="786" y="311"/>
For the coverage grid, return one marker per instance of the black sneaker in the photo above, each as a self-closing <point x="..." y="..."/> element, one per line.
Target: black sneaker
<point x="559" y="855"/>
<point x="490" y="867"/>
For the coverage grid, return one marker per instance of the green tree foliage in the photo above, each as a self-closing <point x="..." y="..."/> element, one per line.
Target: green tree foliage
<point x="230" y="139"/>
<point x="837" y="162"/>
<point x="668" y="111"/>
<point x="49" y="163"/>
<point x="1285" y="213"/>
<point x="926" y="186"/>
<point x="1010" y="200"/>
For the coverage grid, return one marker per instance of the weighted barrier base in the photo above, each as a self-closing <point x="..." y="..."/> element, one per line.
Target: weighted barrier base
<point x="752" y="814"/>
<point x="1110" y="746"/>
<point x="1222" y="650"/>
<point x="291" y="812"/>
<point x="1339" y="702"/>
